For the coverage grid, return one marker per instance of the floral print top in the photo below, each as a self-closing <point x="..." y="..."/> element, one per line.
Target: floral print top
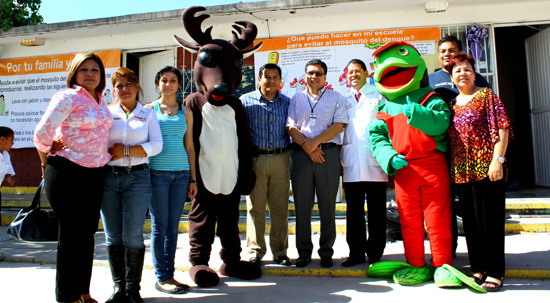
<point x="76" y="118"/>
<point x="473" y="133"/>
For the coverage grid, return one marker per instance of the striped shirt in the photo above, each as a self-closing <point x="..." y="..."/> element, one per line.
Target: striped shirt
<point x="313" y="115"/>
<point x="173" y="156"/>
<point x="267" y="119"/>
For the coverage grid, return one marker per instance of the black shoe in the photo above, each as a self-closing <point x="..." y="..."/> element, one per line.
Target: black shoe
<point x="302" y="261"/>
<point x="256" y="261"/>
<point x="373" y="261"/>
<point x="326" y="262"/>
<point x="349" y="262"/>
<point x="282" y="260"/>
<point x="172" y="289"/>
<point x="118" y="296"/>
<point x="133" y="296"/>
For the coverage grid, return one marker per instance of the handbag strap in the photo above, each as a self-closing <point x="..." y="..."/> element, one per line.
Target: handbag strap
<point x="37" y="196"/>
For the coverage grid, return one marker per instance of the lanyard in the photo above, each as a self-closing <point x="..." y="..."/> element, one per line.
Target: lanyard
<point x="319" y="99"/>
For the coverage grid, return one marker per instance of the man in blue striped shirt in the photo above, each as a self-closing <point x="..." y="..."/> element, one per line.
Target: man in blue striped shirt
<point x="266" y="111"/>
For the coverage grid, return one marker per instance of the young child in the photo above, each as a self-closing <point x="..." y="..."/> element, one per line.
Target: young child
<point x="6" y="169"/>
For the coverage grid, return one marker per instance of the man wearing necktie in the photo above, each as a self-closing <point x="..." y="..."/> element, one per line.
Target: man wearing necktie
<point x="363" y="176"/>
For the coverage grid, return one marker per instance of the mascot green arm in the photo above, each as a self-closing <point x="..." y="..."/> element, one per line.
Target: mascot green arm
<point x="382" y="149"/>
<point x="432" y="118"/>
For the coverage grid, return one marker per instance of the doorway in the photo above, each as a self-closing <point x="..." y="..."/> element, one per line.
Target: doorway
<point x="146" y="64"/>
<point x="514" y="91"/>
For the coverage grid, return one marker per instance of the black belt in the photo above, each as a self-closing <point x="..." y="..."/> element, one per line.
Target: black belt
<point x="126" y="169"/>
<point x="327" y="145"/>
<point x="272" y="151"/>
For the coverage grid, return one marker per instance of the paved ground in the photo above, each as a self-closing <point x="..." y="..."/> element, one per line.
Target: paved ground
<point x="23" y="282"/>
<point x="27" y="273"/>
<point x="527" y="255"/>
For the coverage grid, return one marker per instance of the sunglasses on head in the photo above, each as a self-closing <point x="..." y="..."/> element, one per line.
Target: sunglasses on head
<point x="318" y="74"/>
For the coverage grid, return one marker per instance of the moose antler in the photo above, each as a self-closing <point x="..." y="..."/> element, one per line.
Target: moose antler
<point x="192" y="25"/>
<point x="247" y="34"/>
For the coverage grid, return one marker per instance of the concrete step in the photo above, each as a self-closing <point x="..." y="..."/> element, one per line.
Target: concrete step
<point x="513" y="224"/>
<point x="533" y="206"/>
<point x="528" y="211"/>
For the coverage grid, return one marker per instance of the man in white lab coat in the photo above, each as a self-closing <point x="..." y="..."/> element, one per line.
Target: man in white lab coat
<point x="363" y="176"/>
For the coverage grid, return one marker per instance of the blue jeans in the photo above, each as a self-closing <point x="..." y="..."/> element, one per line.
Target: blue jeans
<point x="126" y="197"/>
<point x="169" y="195"/>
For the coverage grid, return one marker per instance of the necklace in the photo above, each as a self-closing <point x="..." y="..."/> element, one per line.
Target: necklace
<point x="170" y="108"/>
<point x="170" y="111"/>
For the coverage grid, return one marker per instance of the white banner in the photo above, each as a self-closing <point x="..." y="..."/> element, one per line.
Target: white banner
<point x="335" y="49"/>
<point x="27" y="85"/>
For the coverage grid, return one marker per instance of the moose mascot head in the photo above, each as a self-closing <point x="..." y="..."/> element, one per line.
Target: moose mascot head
<point x="222" y="148"/>
<point x="219" y="62"/>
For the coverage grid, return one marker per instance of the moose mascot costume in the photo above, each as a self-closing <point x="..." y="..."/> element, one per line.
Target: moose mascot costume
<point x="222" y="145"/>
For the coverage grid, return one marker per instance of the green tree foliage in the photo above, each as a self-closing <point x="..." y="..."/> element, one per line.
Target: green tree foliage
<point x="15" y="13"/>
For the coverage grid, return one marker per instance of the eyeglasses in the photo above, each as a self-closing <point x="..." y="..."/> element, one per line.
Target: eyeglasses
<point x="125" y="86"/>
<point x="318" y="74"/>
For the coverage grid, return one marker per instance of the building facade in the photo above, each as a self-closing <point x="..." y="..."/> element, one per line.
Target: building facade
<point x="510" y="54"/>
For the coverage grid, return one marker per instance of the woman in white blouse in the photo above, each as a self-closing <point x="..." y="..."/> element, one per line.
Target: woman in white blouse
<point x="134" y="137"/>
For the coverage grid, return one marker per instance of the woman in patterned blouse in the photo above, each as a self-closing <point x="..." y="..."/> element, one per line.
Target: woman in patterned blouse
<point x="479" y="133"/>
<point x="74" y="175"/>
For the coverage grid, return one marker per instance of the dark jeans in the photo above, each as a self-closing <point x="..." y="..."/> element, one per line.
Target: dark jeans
<point x="126" y="198"/>
<point x="167" y="202"/>
<point x="356" y="231"/>
<point x="74" y="193"/>
<point x="483" y="212"/>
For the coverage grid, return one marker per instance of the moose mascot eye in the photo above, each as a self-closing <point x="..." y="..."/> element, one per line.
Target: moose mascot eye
<point x="239" y="63"/>
<point x="205" y="58"/>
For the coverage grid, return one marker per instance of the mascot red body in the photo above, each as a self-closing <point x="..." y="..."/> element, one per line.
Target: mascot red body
<point x="222" y="145"/>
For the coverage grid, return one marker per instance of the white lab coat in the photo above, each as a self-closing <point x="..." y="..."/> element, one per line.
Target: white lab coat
<point x="356" y="154"/>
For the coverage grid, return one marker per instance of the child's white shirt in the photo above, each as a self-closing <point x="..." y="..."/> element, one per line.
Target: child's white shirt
<point x="5" y="166"/>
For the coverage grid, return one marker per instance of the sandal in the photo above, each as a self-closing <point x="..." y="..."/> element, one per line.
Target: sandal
<point x="477" y="279"/>
<point x="492" y="286"/>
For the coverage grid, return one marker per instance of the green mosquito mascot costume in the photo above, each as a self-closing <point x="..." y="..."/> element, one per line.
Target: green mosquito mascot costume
<point x="408" y="139"/>
<point x="222" y="146"/>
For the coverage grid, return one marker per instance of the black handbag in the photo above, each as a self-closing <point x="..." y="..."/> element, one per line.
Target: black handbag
<point x="33" y="223"/>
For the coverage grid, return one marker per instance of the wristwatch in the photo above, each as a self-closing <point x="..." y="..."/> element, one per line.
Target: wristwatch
<point x="500" y="159"/>
<point x="193" y="181"/>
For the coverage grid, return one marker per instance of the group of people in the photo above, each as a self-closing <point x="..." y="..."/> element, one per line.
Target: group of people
<point x="118" y="161"/>
<point x="121" y="160"/>
<point x="320" y="119"/>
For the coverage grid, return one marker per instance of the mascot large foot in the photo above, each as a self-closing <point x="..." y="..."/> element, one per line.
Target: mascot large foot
<point x="445" y="279"/>
<point x="413" y="275"/>
<point x="463" y="278"/>
<point x="204" y="276"/>
<point x="243" y="270"/>
<point x="385" y="268"/>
